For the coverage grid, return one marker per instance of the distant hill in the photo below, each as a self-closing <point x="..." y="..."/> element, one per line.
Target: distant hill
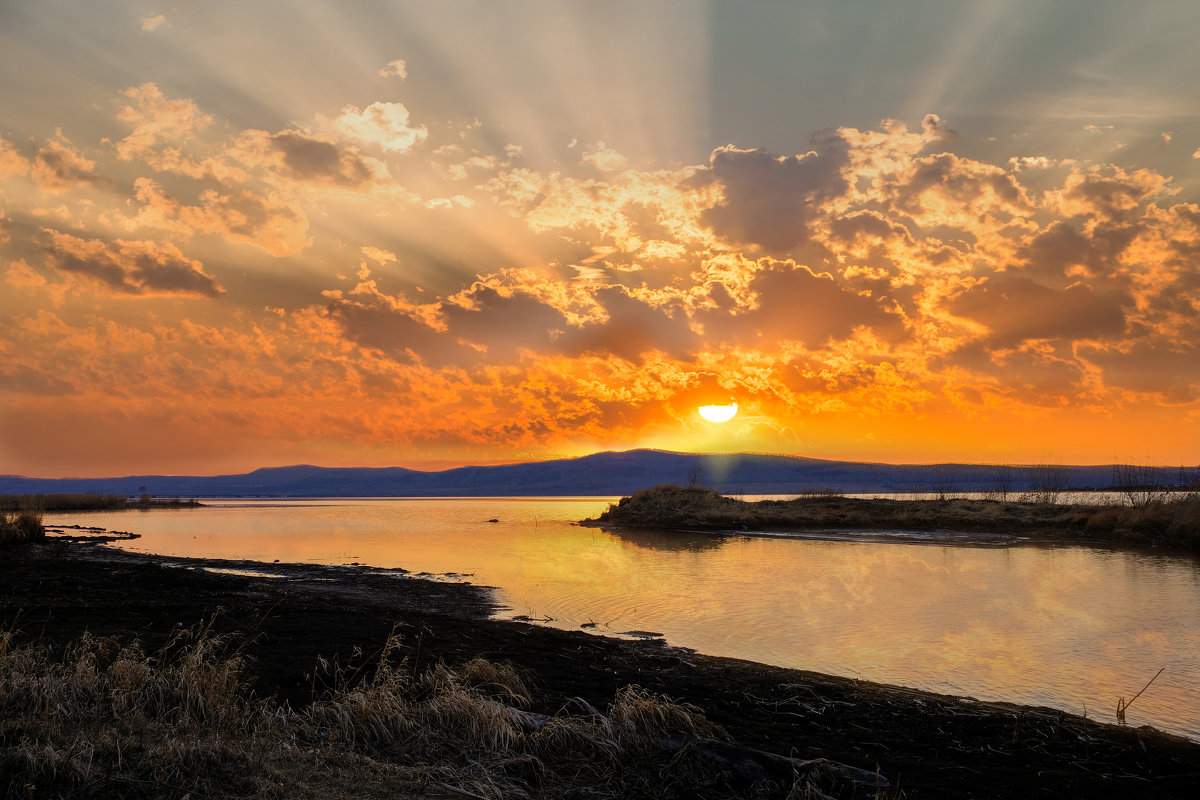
<point x="608" y="473"/>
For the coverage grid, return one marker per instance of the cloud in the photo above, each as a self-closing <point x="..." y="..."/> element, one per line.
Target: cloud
<point x="58" y="166"/>
<point x="605" y="159"/>
<point x="772" y="201"/>
<point x="394" y="69"/>
<point x="1016" y="310"/>
<point x="12" y="162"/>
<point x="1164" y="367"/>
<point x="131" y="267"/>
<point x="378" y="254"/>
<point x="1107" y="193"/>
<point x="308" y="158"/>
<point x="632" y="327"/>
<point x="384" y="125"/>
<point x="153" y="23"/>
<point x="250" y="217"/>
<point x="787" y="302"/>
<point x="161" y="126"/>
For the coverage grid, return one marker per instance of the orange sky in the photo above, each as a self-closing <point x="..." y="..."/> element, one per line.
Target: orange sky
<point x="486" y="241"/>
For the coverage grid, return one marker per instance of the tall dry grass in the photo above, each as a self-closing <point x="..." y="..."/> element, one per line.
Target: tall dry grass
<point x="21" y="527"/>
<point x="62" y="502"/>
<point x="105" y="718"/>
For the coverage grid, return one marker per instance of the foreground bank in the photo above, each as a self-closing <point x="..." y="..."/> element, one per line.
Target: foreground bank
<point x="925" y="745"/>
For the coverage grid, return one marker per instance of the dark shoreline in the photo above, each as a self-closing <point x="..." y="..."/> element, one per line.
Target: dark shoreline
<point x="927" y="745"/>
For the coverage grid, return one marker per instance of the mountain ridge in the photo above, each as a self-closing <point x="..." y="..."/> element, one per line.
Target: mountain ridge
<point x="611" y="472"/>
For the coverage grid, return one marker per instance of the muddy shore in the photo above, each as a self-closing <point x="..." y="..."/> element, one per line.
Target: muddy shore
<point x="926" y="745"/>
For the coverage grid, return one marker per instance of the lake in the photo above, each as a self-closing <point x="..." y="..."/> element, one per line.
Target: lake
<point x="1068" y="627"/>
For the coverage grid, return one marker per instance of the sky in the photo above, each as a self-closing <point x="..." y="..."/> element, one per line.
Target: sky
<point x="258" y="233"/>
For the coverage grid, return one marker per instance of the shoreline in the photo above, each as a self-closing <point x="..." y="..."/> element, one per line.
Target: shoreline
<point x="927" y="745"/>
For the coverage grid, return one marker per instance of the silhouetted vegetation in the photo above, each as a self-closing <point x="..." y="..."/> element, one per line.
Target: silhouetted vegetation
<point x="107" y="719"/>
<point x="1172" y="520"/>
<point x="21" y="527"/>
<point x="87" y="502"/>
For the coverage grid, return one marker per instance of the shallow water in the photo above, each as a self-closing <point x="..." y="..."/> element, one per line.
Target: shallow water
<point x="1073" y="628"/>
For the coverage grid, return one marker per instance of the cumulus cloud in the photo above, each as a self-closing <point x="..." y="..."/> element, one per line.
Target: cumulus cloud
<point x="12" y="162"/>
<point x="153" y="23"/>
<point x="1016" y="310"/>
<point x="308" y="158"/>
<point x="58" y="166"/>
<point x="161" y="125"/>
<point x="1107" y="193"/>
<point x="252" y="218"/>
<point x="131" y="267"/>
<point x="244" y="216"/>
<point x="384" y="125"/>
<point x="394" y="69"/>
<point x="786" y="302"/>
<point x="605" y="159"/>
<point x="771" y="201"/>
<point x="934" y="126"/>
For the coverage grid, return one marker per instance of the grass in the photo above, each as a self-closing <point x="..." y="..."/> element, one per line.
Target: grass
<point x="21" y="527"/>
<point x="1172" y="522"/>
<point x="85" y="502"/>
<point x="105" y="718"/>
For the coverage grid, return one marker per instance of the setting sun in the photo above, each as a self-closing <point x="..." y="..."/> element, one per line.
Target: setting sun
<point x="718" y="413"/>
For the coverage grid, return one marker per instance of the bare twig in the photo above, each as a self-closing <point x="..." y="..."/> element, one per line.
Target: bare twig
<point x="1122" y="706"/>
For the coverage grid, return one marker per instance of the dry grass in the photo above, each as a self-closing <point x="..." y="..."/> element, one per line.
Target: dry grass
<point x="87" y="501"/>
<point x="1173" y="522"/>
<point x="104" y="718"/>
<point x="63" y="502"/>
<point x="21" y="527"/>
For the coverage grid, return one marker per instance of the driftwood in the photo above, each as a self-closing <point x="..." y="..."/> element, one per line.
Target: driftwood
<point x="747" y="763"/>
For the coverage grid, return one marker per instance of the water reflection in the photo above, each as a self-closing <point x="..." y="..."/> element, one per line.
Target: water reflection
<point x="668" y="541"/>
<point x="1068" y="627"/>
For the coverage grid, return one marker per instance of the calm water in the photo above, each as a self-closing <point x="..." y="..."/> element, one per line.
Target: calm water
<point x="1071" y="628"/>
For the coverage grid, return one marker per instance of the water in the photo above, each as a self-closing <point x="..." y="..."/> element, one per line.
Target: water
<point x="1072" y="628"/>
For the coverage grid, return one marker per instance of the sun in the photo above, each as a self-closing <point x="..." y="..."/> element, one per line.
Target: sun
<point x="718" y="413"/>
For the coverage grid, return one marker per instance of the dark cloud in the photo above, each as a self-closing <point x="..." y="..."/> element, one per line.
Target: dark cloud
<point x="312" y="159"/>
<point x="1055" y="251"/>
<point x="793" y="304"/>
<point x="1017" y="310"/>
<point x="851" y="227"/>
<point x="57" y="167"/>
<point x="1033" y="376"/>
<point x="771" y="201"/>
<point x="503" y="323"/>
<point x="131" y="267"/>
<point x="1116" y="196"/>
<point x="956" y="179"/>
<point x="372" y="323"/>
<point x="1170" y="369"/>
<point x="634" y="328"/>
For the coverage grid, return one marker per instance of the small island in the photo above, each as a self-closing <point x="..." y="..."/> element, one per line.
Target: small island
<point x="1171" y="521"/>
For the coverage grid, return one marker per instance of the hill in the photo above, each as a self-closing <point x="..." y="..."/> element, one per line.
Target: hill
<point x="607" y="473"/>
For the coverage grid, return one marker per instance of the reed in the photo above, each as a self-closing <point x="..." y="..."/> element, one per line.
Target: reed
<point x="21" y="527"/>
<point x="104" y="718"/>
